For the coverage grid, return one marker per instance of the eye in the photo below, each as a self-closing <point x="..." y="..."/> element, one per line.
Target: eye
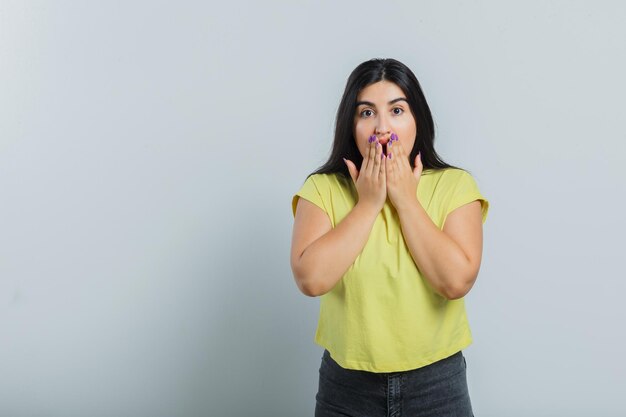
<point x="398" y="108"/>
<point x="366" y="113"/>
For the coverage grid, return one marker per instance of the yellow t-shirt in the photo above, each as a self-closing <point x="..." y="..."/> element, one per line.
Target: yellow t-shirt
<point x="382" y="315"/>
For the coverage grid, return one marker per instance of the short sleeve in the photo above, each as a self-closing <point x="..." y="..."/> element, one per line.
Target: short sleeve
<point x="309" y="191"/>
<point x="466" y="191"/>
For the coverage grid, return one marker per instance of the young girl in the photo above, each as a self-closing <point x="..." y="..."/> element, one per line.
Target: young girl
<point x="390" y="237"/>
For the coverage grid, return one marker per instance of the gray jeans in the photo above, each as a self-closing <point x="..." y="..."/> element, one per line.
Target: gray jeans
<point x="439" y="389"/>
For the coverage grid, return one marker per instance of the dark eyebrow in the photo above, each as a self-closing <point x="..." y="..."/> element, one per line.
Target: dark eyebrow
<point x="368" y="103"/>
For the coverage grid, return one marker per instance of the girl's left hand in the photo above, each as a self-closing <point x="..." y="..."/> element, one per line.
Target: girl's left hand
<point x="401" y="180"/>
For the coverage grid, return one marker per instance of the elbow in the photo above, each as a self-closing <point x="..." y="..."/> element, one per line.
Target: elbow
<point x="306" y="285"/>
<point x="309" y="290"/>
<point x="459" y="289"/>
<point x="310" y="281"/>
<point x="455" y="293"/>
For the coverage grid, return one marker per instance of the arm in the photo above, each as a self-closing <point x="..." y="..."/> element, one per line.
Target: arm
<point x="320" y="254"/>
<point x="449" y="259"/>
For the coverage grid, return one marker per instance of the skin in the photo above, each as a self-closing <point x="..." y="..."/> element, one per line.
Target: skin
<point x="449" y="259"/>
<point x="382" y="110"/>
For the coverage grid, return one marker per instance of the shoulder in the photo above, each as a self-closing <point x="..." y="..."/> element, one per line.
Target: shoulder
<point x="320" y="189"/>
<point x="445" y="185"/>
<point x="445" y="178"/>
<point x="332" y="177"/>
<point x="327" y="181"/>
<point x="454" y="174"/>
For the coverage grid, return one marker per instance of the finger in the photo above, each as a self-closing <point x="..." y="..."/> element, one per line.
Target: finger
<point x="402" y="159"/>
<point x="377" y="158"/>
<point x="392" y="151"/>
<point x="389" y="164"/>
<point x="383" y="168"/>
<point x="354" y="173"/>
<point x="395" y="153"/>
<point x="418" y="165"/>
<point x="366" y="158"/>
<point x="371" y="151"/>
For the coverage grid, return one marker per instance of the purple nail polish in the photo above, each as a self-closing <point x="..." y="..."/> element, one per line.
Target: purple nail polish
<point x="394" y="136"/>
<point x="372" y="139"/>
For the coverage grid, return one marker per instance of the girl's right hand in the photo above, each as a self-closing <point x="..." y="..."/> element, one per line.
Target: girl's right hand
<point x="371" y="181"/>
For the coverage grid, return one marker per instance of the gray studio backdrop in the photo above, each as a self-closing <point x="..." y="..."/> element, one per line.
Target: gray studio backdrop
<point x="149" y="152"/>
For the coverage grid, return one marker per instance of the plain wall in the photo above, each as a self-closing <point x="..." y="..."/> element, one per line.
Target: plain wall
<point x="149" y="152"/>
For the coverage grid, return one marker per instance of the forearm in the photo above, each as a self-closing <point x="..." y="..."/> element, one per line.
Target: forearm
<point x="327" y="259"/>
<point x="440" y="260"/>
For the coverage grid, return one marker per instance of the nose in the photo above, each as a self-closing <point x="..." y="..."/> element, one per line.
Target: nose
<point x="382" y="127"/>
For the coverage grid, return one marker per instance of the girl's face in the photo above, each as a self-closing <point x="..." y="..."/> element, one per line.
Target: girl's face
<point x="381" y="110"/>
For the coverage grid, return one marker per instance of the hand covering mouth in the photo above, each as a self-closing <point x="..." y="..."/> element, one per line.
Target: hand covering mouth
<point x="384" y="142"/>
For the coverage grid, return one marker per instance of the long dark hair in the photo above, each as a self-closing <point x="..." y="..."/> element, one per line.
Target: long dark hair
<point x="370" y="72"/>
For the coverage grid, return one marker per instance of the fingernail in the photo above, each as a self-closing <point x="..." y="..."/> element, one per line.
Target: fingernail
<point x="372" y="139"/>
<point x="394" y="136"/>
<point x="389" y="155"/>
